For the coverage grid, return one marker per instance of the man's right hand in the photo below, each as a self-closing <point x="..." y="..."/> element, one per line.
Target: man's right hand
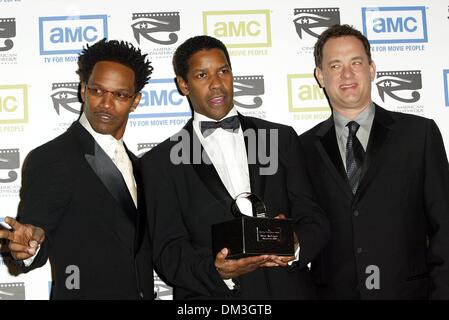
<point x="24" y="239"/>
<point x="230" y="268"/>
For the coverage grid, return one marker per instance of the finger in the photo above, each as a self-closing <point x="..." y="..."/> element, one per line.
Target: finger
<point x="220" y="258"/>
<point x="21" y="256"/>
<point x="12" y="222"/>
<point x="280" y="216"/>
<point x="16" y="248"/>
<point x="37" y="237"/>
<point x="269" y="264"/>
<point x="5" y="234"/>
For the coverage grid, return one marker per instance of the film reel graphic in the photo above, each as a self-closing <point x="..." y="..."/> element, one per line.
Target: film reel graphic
<point x="64" y="95"/>
<point x="147" y="24"/>
<point x="390" y="82"/>
<point x="307" y="19"/>
<point x="9" y="160"/>
<point x="7" y="30"/>
<point x="252" y="86"/>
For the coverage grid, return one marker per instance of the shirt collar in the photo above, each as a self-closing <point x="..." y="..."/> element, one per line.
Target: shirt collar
<point x="107" y="142"/>
<point x="364" y="119"/>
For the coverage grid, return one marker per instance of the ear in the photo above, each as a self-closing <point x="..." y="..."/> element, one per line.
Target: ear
<point x="372" y="70"/>
<point x="135" y="102"/>
<point x="182" y="85"/>
<point x="83" y="91"/>
<point x="319" y="76"/>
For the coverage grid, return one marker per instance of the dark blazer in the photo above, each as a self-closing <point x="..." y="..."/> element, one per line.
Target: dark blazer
<point x="73" y="190"/>
<point x="186" y="199"/>
<point x="398" y="219"/>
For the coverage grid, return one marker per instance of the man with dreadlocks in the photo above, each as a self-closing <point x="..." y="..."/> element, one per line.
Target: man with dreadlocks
<point x="80" y="199"/>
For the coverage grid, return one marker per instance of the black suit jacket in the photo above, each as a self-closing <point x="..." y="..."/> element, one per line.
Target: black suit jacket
<point x="398" y="220"/>
<point x="73" y="190"/>
<point x="184" y="200"/>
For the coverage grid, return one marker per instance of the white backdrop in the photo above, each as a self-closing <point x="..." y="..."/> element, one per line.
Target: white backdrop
<point x="271" y="47"/>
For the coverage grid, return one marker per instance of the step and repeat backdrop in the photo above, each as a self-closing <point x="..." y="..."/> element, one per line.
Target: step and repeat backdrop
<point x="271" y="48"/>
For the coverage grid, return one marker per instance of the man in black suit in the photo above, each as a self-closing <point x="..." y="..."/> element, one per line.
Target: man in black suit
<point x="81" y="205"/>
<point x="189" y="194"/>
<point x="383" y="180"/>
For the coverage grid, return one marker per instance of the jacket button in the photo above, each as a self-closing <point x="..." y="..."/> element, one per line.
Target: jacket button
<point x="356" y="213"/>
<point x="359" y="250"/>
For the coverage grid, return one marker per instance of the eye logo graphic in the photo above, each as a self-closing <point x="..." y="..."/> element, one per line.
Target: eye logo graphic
<point x="12" y="291"/>
<point x="313" y="21"/>
<point x="391" y="81"/>
<point x="145" y="147"/>
<point x="9" y="160"/>
<point x="155" y="23"/>
<point x="7" y="30"/>
<point x="249" y="86"/>
<point x="64" y="95"/>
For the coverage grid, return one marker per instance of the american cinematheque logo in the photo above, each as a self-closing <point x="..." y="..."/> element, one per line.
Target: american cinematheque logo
<point x="402" y="86"/>
<point x="12" y="291"/>
<point x="313" y="21"/>
<point x="9" y="162"/>
<point x="157" y="27"/>
<point x="7" y="31"/>
<point x="65" y="96"/>
<point x="446" y="86"/>
<point x="248" y="87"/>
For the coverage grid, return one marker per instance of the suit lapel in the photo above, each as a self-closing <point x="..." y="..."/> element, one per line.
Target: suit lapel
<point x="107" y="172"/>
<point x="328" y="149"/>
<point x="379" y="135"/>
<point x="206" y="172"/>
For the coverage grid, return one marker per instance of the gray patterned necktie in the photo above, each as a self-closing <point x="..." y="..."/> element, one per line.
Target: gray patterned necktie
<point x="355" y="154"/>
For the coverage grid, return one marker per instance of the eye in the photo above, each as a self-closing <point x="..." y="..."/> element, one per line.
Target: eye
<point x="201" y="75"/>
<point x="121" y="95"/>
<point x="224" y="70"/>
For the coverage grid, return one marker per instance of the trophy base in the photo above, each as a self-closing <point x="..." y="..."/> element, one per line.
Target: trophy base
<point x="248" y="236"/>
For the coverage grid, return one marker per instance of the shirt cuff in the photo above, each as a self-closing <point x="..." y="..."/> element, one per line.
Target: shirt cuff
<point x="29" y="261"/>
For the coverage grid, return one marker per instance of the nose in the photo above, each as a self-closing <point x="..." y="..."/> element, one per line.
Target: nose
<point x="215" y="82"/>
<point x="347" y="72"/>
<point x="107" y="100"/>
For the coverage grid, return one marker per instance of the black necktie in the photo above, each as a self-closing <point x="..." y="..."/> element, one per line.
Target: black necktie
<point x="354" y="156"/>
<point x="231" y="123"/>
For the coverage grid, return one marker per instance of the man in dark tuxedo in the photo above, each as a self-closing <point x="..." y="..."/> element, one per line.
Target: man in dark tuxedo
<point x="383" y="180"/>
<point x="81" y="203"/>
<point x="193" y="177"/>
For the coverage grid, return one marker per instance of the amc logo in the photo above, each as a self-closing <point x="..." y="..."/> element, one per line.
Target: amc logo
<point x="161" y="99"/>
<point x="68" y="34"/>
<point x="240" y="28"/>
<point x="395" y="24"/>
<point x="305" y="95"/>
<point x="13" y="104"/>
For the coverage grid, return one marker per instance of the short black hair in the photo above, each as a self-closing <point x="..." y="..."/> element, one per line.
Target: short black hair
<point x="117" y="51"/>
<point x="337" y="31"/>
<point x="191" y="46"/>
